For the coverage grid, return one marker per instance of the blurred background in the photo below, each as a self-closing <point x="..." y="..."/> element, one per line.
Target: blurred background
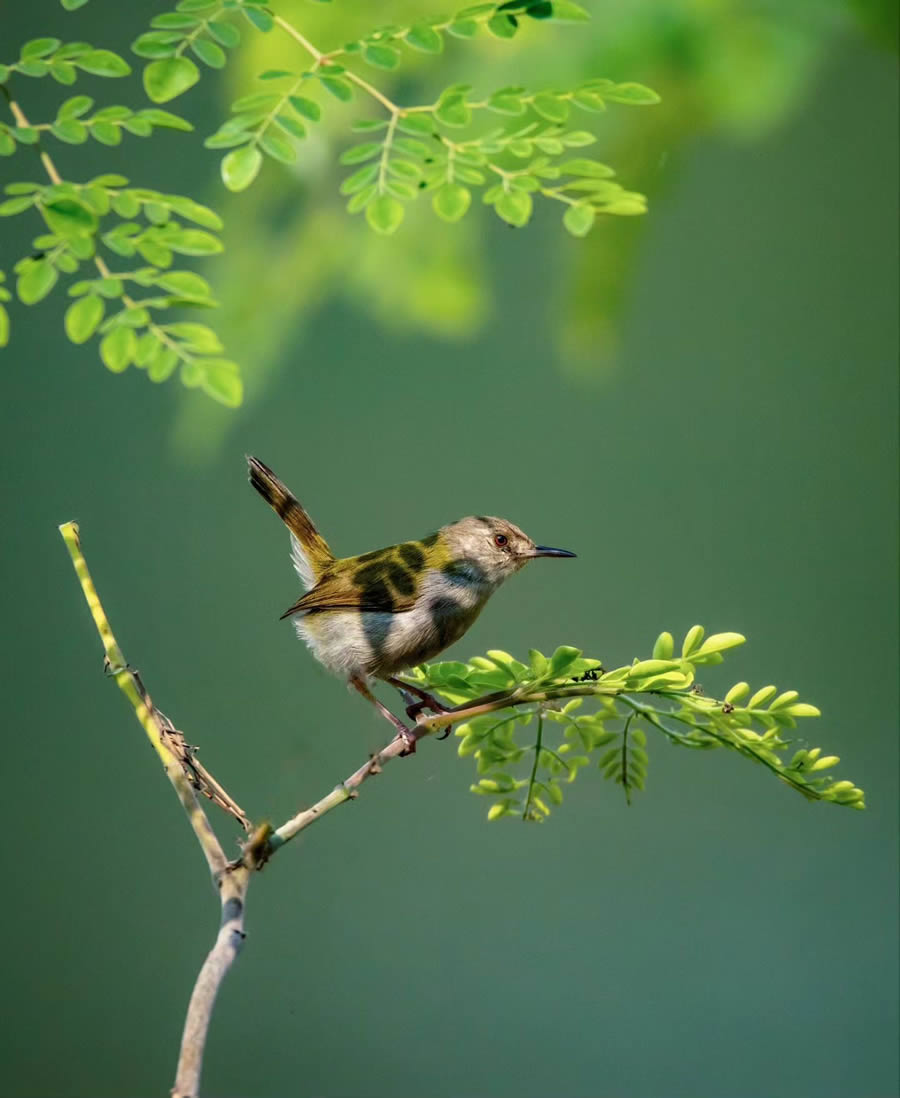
<point x="702" y="403"/>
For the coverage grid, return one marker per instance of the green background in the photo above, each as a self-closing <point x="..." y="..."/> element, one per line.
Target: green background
<point x="732" y="462"/>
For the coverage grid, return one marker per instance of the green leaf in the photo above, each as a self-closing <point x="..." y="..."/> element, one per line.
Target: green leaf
<point x="39" y="47"/>
<point x="359" y="179"/>
<point x="424" y="38"/>
<point x="562" y="659"/>
<point x="193" y="242"/>
<point x="718" y="642"/>
<point x="514" y="207"/>
<point x="73" y="5"/>
<point x="665" y="642"/>
<point x="632" y="94"/>
<point x="451" y="201"/>
<point x="418" y="124"/>
<point x="274" y="74"/>
<point x="258" y="101"/>
<point x="209" y="53"/>
<point x="453" y="110"/>
<point x="198" y="337"/>
<point x="384" y="214"/>
<point x="506" y="102"/>
<point x="260" y="19"/>
<point x="106" y="133"/>
<point x="225" y="33"/>
<point x="166" y="79"/>
<point x="7" y="144"/>
<point x="69" y="218"/>
<point x="155" y="45"/>
<point x="381" y="56"/>
<point x="103" y="63"/>
<point x="162" y="365"/>
<point x="579" y="219"/>
<point x="240" y="167"/>
<point x="356" y="154"/>
<point x="583" y="166"/>
<point x="463" y="28"/>
<point x="308" y="108"/>
<point x="184" y="283"/>
<point x="4" y="326"/>
<point x="83" y="317"/>
<point x="338" y="87"/>
<point x="117" y="349"/>
<point x="692" y="640"/>
<point x="503" y="26"/>
<point x="550" y="107"/>
<point x="158" y="117"/>
<point x="222" y="381"/>
<point x="279" y="148"/>
<point x="16" y="205"/>
<point x="176" y="20"/>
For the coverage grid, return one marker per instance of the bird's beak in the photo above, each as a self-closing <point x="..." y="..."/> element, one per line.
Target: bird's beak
<point x="546" y="551"/>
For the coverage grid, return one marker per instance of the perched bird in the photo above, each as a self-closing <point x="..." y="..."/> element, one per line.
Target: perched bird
<point x="380" y="613"/>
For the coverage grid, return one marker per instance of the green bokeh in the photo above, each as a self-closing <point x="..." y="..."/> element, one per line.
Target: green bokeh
<point x="737" y="466"/>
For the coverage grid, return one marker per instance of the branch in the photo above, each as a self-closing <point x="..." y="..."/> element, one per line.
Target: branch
<point x="184" y="773"/>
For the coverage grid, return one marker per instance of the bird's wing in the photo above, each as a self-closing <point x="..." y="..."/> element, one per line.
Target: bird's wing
<point x="387" y="581"/>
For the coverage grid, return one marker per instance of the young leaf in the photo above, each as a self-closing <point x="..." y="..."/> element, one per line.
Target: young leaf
<point x="451" y="201"/>
<point x="36" y="281"/>
<point x="579" y="219"/>
<point x="168" y="78"/>
<point x="424" y="38"/>
<point x="83" y="318"/>
<point x="240" y="167"/>
<point x="384" y="214"/>
<point x="117" y="349"/>
<point x="103" y="63"/>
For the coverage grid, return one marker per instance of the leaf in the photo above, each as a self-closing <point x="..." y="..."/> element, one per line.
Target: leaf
<point x="692" y="640"/>
<point x="83" y="318"/>
<point x="384" y="214"/>
<point x="222" y="381"/>
<point x="381" y="56"/>
<point x="338" y="87"/>
<point x="184" y="283"/>
<point x="453" y="110"/>
<point x="579" y="220"/>
<point x="424" y="38"/>
<point x="240" y="167"/>
<point x="226" y="34"/>
<point x="162" y="365"/>
<point x="103" y="63"/>
<point x="117" y="349"/>
<point x="260" y="19"/>
<point x="584" y="166"/>
<point x="550" y="107"/>
<point x="451" y="201"/>
<point x="157" y="117"/>
<point x="36" y="281"/>
<point x="209" y="53"/>
<point x="632" y="94"/>
<point x="514" y="207"/>
<point x="39" y="47"/>
<point x="718" y="642"/>
<point x="4" y="326"/>
<point x="69" y="218"/>
<point x="16" y="205"/>
<point x="166" y="79"/>
<point x="356" y="154"/>
<point x="418" y="124"/>
<point x="258" y="101"/>
<point x="279" y="148"/>
<point x="193" y="242"/>
<point x="308" y="108"/>
<point x="198" y="337"/>
<point x="155" y="45"/>
<point x="503" y="26"/>
<point x="359" y="179"/>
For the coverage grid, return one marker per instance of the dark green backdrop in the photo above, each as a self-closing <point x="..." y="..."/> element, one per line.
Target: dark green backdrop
<point x="721" y="938"/>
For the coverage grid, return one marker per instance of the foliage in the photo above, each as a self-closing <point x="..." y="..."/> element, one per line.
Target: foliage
<point x="524" y="774"/>
<point x="414" y="150"/>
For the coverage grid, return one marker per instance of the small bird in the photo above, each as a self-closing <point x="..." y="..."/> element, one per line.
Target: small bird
<point x="383" y="612"/>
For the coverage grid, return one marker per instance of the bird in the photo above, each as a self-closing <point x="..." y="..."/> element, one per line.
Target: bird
<point x="378" y="614"/>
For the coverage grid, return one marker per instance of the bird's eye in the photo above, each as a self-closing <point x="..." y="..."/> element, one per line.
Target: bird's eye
<point x="501" y="540"/>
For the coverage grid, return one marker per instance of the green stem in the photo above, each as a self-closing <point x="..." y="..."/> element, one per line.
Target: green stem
<point x="537" y="755"/>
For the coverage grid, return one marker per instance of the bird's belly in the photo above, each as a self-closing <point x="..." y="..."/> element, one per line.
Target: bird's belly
<point x="375" y="643"/>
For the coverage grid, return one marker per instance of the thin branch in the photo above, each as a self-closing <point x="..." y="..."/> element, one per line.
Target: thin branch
<point x="131" y="686"/>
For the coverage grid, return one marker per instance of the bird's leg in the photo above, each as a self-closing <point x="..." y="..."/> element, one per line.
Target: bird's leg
<point x="408" y="734"/>
<point x="426" y="701"/>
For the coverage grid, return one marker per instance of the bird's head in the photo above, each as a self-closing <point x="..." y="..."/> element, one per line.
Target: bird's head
<point x="492" y="547"/>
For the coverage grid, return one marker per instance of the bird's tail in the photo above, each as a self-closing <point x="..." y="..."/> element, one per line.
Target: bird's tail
<point x="311" y="552"/>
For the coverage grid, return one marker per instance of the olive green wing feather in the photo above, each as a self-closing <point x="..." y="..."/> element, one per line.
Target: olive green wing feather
<point x="385" y="581"/>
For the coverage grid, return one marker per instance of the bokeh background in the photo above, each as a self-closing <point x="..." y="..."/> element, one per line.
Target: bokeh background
<point x="702" y="403"/>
